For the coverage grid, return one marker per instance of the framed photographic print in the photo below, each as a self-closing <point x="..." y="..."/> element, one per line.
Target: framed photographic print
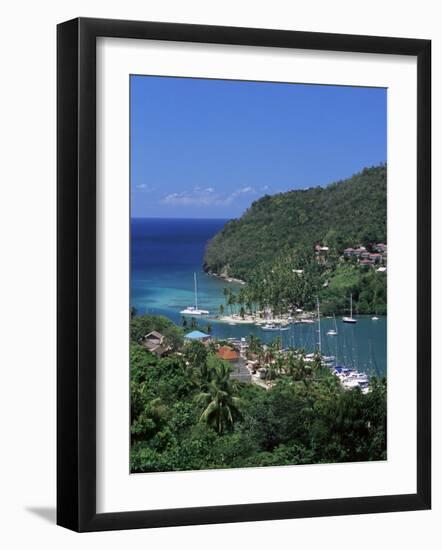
<point x="243" y="274"/>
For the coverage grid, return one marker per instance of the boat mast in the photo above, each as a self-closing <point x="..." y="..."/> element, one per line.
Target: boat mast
<point x="196" y="292"/>
<point x="319" y="327"/>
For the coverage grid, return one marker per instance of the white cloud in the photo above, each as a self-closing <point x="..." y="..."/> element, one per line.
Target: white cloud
<point x="144" y="187"/>
<point x="246" y="190"/>
<point x="206" y="197"/>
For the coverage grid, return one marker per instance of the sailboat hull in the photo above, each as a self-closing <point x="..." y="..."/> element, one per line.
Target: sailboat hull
<point x="194" y="312"/>
<point x="348" y="320"/>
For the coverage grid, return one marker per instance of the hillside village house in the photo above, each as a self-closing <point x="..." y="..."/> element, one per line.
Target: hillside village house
<point x="321" y="253"/>
<point x="155" y="343"/>
<point x="239" y="371"/>
<point x="376" y="257"/>
<point x="380" y="247"/>
<point x="366" y="258"/>
<point x="228" y="354"/>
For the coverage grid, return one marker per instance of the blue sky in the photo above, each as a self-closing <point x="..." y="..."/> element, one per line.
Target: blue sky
<point x="209" y="148"/>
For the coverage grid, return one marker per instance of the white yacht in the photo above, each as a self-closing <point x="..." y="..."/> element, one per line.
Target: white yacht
<point x="193" y="310"/>
<point x="269" y="326"/>
<point x="350" y="319"/>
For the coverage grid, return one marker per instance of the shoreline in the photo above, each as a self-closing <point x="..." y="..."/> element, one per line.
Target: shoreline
<point x="225" y="278"/>
<point x="306" y="318"/>
<point x="257" y="320"/>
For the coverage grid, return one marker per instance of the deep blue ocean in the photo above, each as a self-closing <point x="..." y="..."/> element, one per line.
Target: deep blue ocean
<point x="165" y="253"/>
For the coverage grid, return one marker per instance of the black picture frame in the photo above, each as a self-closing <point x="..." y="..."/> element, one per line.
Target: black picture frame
<point x="76" y="274"/>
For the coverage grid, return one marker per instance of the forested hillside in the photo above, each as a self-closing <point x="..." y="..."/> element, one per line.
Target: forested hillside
<point x="342" y="214"/>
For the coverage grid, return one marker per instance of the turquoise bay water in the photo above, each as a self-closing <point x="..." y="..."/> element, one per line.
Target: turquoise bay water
<point x="165" y="253"/>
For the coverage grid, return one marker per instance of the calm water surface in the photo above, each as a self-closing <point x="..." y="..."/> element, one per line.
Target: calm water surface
<point x="166" y="252"/>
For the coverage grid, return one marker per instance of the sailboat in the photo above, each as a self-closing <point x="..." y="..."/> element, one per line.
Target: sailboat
<point x="350" y="319"/>
<point x="327" y="360"/>
<point x="333" y="332"/>
<point x="193" y="310"/>
<point x="273" y="326"/>
<point x="319" y="327"/>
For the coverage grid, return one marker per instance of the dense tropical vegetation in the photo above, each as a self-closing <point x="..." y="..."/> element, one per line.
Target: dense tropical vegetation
<point x="271" y="247"/>
<point x="188" y="414"/>
<point x="282" y="289"/>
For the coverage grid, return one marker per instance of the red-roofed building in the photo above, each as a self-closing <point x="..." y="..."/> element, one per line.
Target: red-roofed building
<point x="359" y="251"/>
<point x="228" y="354"/>
<point x="376" y="257"/>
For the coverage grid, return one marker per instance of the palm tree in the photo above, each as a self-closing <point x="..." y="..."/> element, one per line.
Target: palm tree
<point x="226" y="293"/>
<point x="300" y="369"/>
<point x="255" y="349"/>
<point x="195" y="354"/>
<point x="221" y="406"/>
<point x="221" y="309"/>
<point x="272" y="349"/>
<point x="317" y="361"/>
<point x="280" y="364"/>
<point x="254" y="343"/>
<point x="231" y="301"/>
<point x="273" y="359"/>
<point x="241" y="299"/>
<point x="290" y="364"/>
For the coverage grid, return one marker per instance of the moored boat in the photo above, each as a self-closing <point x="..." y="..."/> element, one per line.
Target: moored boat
<point x="270" y="327"/>
<point x="350" y="319"/>
<point x="333" y="332"/>
<point x="194" y="310"/>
